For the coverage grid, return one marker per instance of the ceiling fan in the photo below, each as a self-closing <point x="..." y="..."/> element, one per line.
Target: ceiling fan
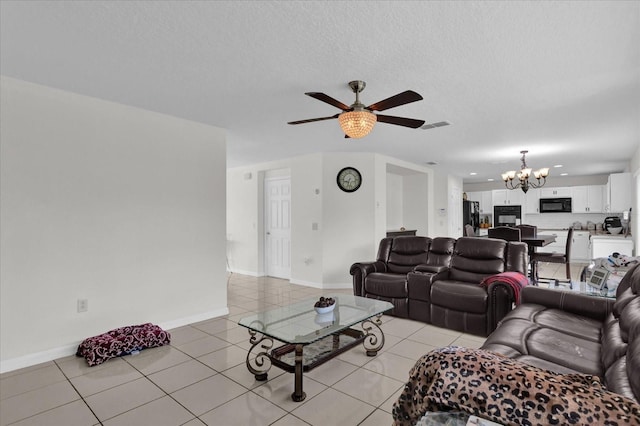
<point x="357" y="120"/>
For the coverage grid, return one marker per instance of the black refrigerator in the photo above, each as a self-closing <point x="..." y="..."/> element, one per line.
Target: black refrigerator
<point x="471" y="215"/>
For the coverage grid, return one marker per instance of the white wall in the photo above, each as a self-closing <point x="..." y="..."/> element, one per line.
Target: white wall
<point x="395" y="196"/>
<point x="350" y="225"/>
<point x="634" y="168"/>
<point x="348" y="218"/>
<point x="416" y="203"/>
<point x="307" y="196"/>
<point x="441" y="205"/>
<point x="118" y="205"/>
<point x="242" y="225"/>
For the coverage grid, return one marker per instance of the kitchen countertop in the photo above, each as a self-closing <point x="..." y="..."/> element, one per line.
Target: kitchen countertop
<point x="591" y="233"/>
<point x="609" y="236"/>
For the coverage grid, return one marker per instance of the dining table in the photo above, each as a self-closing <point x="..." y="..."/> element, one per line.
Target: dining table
<point x="540" y="240"/>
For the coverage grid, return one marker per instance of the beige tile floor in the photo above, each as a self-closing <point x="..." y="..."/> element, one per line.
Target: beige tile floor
<point x="202" y="379"/>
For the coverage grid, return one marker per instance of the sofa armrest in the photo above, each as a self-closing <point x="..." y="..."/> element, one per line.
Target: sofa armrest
<point x="500" y="303"/>
<point x="360" y="270"/>
<point x="597" y="308"/>
<point x="432" y="269"/>
<point x="419" y="283"/>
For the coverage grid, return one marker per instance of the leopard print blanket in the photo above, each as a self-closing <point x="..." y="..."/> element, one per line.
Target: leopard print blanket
<point x="507" y="391"/>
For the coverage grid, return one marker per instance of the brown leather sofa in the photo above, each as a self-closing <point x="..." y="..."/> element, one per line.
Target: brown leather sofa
<point x="567" y="332"/>
<point x="437" y="280"/>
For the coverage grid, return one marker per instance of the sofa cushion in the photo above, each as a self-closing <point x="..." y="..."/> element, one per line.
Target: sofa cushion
<point x="540" y="336"/>
<point x="630" y="321"/>
<point x="476" y="259"/>
<point x="460" y="296"/>
<point x="565" y="350"/>
<point x="386" y="284"/>
<point x="441" y="251"/>
<point x="574" y="325"/>
<point x="613" y="347"/>
<point x="622" y="300"/>
<point x="407" y="252"/>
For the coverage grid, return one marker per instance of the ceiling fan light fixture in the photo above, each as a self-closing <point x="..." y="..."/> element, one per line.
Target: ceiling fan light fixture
<point x="357" y="124"/>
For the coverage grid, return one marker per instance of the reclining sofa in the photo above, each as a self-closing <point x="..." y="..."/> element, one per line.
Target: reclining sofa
<point x="437" y="280"/>
<point x="567" y="332"/>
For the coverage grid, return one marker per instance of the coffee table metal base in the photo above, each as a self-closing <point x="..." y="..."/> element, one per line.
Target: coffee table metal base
<point x="293" y="358"/>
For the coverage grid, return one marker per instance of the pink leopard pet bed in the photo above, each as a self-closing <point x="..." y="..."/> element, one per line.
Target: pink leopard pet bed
<point x="122" y="341"/>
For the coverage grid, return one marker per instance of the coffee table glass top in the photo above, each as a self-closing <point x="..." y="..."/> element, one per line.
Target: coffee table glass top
<point x="299" y="322"/>
<point x="582" y="287"/>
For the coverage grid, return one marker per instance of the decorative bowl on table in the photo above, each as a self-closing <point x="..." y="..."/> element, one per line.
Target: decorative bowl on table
<point x="324" y="305"/>
<point x="616" y="230"/>
<point x="324" y="319"/>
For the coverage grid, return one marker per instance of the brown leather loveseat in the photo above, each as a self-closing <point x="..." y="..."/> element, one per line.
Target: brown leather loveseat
<point x="437" y="280"/>
<point x="567" y="332"/>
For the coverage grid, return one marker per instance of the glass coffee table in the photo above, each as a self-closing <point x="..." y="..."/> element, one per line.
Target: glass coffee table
<point x="311" y="339"/>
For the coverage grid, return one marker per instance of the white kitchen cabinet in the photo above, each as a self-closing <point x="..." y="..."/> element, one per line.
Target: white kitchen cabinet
<point x="580" y="250"/>
<point x="532" y="201"/>
<point x="507" y="197"/>
<point x="606" y="245"/>
<point x="559" y="192"/>
<point x="618" y="193"/>
<point x="486" y="203"/>
<point x="587" y="199"/>
<point x="484" y="200"/>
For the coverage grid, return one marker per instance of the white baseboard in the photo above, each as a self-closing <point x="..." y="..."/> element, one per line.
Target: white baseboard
<point x="70" y="349"/>
<point x="334" y="286"/>
<point x="168" y="325"/>
<point x="243" y="272"/>
<point x="322" y="286"/>
<point x="38" y="357"/>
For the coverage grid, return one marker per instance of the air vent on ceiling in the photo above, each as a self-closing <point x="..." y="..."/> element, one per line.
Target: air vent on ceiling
<point x="434" y="125"/>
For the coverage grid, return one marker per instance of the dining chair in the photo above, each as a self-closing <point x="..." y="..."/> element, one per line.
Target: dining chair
<point x="528" y="231"/>
<point x="558" y="257"/>
<point x="506" y="233"/>
<point x="469" y="231"/>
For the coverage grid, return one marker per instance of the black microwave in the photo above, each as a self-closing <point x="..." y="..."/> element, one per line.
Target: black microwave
<point x="555" y="205"/>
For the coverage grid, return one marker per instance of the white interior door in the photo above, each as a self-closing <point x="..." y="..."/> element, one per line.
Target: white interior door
<point x="278" y="227"/>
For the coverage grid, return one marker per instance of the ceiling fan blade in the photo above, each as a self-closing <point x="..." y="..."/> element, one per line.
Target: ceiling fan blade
<point x="403" y="98"/>
<point x="400" y="121"/>
<point x="328" y="99"/>
<point x="311" y="120"/>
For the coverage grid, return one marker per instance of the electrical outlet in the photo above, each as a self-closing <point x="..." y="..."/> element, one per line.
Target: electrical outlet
<point x="83" y="305"/>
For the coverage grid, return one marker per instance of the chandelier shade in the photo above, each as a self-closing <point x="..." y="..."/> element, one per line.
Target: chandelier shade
<point x="523" y="176"/>
<point x="357" y="124"/>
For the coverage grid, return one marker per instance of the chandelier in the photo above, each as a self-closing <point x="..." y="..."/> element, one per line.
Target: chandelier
<point x="523" y="176"/>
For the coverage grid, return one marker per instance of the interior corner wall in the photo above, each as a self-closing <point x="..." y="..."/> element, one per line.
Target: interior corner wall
<point x="416" y="205"/>
<point x="441" y="205"/>
<point x="634" y="168"/>
<point x="243" y="186"/>
<point x="307" y="221"/>
<point x="395" y="204"/>
<point x="113" y="204"/>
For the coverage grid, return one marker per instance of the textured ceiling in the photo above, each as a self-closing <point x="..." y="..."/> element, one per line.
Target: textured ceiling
<point x="561" y="79"/>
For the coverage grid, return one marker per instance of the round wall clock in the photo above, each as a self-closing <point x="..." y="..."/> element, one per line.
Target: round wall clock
<point x="349" y="179"/>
